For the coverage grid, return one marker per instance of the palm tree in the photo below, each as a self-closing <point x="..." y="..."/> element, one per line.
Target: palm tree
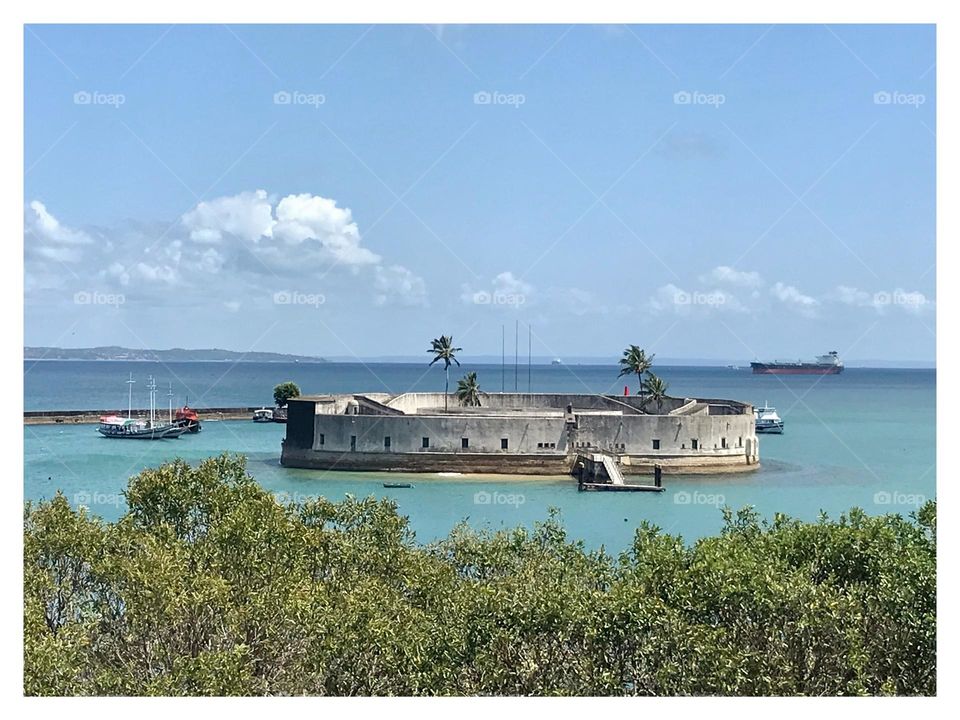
<point x="635" y="362"/>
<point x="468" y="390"/>
<point x="443" y="349"/>
<point x="657" y="388"/>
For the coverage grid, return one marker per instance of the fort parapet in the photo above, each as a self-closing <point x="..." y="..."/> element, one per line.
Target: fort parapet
<point x="517" y="433"/>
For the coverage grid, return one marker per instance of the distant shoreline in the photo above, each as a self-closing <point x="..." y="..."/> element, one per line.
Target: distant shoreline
<point x="595" y="362"/>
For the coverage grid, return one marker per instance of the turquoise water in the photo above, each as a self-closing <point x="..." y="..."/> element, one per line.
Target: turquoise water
<point x="864" y="438"/>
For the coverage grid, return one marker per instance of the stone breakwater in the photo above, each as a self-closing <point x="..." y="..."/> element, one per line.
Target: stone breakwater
<point x="92" y="417"/>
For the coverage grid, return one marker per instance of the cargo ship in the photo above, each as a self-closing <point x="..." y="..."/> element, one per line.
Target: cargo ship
<point x="829" y="364"/>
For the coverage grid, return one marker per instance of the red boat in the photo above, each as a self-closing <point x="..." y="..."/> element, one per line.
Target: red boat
<point x="187" y="417"/>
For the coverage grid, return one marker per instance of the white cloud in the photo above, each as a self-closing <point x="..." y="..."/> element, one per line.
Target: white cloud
<point x="304" y="218"/>
<point x="507" y="283"/>
<point x="883" y="300"/>
<point x="226" y="243"/>
<point x="397" y="284"/>
<point x="505" y="290"/>
<point x="724" y="274"/>
<point x="793" y="298"/>
<point x="247" y="215"/>
<point x="671" y="298"/>
<point x="47" y="229"/>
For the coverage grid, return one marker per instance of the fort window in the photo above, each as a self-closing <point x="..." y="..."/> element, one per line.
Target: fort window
<point x="322" y="438"/>
<point x="723" y="442"/>
<point x="539" y="445"/>
<point x="353" y="442"/>
<point x="464" y="443"/>
<point x="425" y="443"/>
<point x="694" y="444"/>
<point x="503" y="443"/>
<point x="386" y="442"/>
<point x="656" y="444"/>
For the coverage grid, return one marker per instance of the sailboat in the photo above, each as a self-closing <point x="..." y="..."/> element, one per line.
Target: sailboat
<point x="131" y="428"/>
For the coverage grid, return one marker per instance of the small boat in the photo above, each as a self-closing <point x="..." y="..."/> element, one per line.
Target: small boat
<point x="397" y="485"/>
<point x="766" y="420"/>
<point x="263" y="415"/>
<point x="186" y="417"/>
<point x="113" y="426"/>
<point x="280" y="415"/>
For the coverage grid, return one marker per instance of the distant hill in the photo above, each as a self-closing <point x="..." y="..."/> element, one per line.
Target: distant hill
<point x="114" y="352"/>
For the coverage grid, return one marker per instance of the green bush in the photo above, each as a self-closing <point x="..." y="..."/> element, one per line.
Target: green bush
<point x="209" y="586"/>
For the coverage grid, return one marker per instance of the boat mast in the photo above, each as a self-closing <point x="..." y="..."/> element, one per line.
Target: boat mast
<point x="130" y="383"/>
<point x="170" y="402"/>
<point x="153" y="397"/>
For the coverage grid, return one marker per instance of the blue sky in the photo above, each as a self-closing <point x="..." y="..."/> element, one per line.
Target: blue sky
<point x="724" y="192"/>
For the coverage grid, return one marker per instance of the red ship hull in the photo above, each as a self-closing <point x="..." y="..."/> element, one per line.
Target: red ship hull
<point x="787" y="370"/>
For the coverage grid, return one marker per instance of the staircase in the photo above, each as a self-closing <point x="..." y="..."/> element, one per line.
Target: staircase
<point x="612" y="469"/>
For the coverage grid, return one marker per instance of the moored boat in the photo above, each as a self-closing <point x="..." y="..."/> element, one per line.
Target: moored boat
<point x="766" y="420"/>
<point x="263" y="415"/>
<point x="186" y="417"/>
<point x="131" y="428"/>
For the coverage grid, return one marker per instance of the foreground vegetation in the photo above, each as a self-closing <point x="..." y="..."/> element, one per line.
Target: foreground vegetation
<point x="208" y="585"/>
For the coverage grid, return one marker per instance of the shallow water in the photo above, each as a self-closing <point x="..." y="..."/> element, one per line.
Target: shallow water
<point x="865" y="438"/>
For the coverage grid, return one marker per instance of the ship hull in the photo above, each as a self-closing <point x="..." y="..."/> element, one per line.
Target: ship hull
<point x="764" y="369"/>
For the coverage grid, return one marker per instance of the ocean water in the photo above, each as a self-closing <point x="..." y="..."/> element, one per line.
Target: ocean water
<point x="864" y="438"/>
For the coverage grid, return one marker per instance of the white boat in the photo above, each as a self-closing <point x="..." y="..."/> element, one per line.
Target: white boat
<point x="766" y="420"/>
<point x="263" y="415"/>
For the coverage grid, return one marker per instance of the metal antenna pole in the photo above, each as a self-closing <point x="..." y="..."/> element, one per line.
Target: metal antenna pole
<point x="516" y="357"/>
<point x="529" y="354"/>
<point x="130" y="383"/>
